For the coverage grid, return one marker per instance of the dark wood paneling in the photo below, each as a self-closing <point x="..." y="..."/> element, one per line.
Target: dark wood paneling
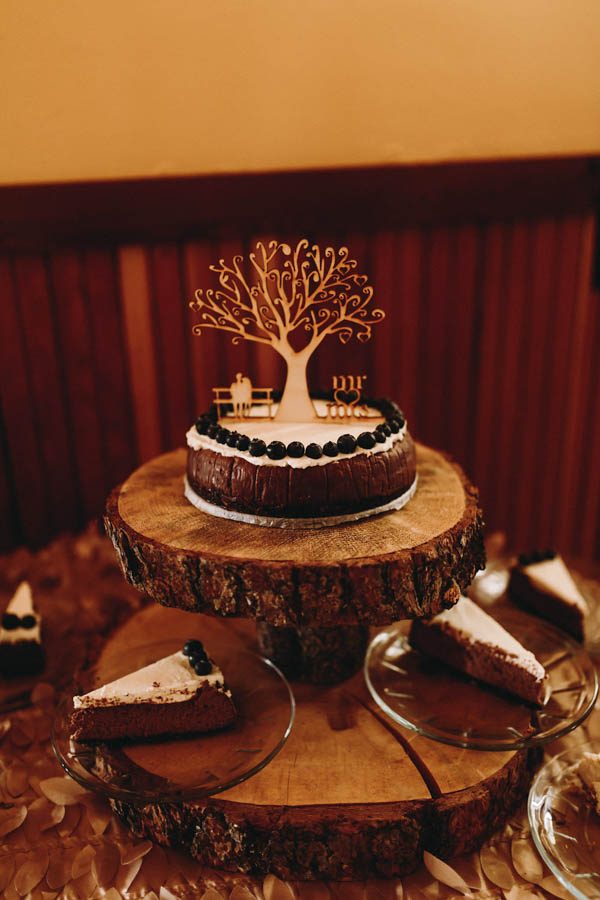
<point x="168" y="209"/>
<point x="490" y="342"/>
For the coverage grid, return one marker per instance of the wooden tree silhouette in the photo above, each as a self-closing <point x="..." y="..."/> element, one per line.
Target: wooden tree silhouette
<point x="306" y="292"/>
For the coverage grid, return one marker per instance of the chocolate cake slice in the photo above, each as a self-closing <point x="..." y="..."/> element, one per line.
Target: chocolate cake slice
<point x="541" y="583"/>
<point x="468" y="639"/>
<point x="21" y="651"/>
<point x="183" y="693"/>
<point x="588" y="772"/>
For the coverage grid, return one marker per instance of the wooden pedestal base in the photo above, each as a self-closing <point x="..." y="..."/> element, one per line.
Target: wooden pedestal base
<point x="349" y="796"/>
<point x="317" y="655"/>
<point x="401" y="565"/>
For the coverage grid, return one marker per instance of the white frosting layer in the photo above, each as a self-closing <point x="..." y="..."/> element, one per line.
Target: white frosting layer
<point x="169" y="680"/>
<point x="551" y="576"/>
<point x="21" y="605"/>
<point x="317" y="432"/>
<point x="476" y="626"/>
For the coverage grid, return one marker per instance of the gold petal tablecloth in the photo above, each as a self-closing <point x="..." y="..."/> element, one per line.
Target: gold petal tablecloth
<point x="59" y="840"/>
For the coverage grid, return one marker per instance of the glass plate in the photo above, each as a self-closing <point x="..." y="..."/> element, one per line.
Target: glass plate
<point x="432" y="699"/>
<point x="194" y="766"/>
<point x="565" y="828"/>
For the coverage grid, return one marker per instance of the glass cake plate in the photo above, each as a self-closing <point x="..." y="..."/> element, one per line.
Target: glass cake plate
<point x="427" y="696"/>
<point x="189" y="767"/>
<point x="565" y="828"/>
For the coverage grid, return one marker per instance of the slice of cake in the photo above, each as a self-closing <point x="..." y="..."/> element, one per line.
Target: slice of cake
<point x="181" y="694"/>
<point x="21" y="651"/>
<point x="588" y="772"/>
<point x="541" y="583"/>
<point x="467" y="638"/>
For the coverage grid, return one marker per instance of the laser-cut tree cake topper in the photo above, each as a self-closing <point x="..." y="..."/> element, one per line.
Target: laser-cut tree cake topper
<point x="306" y="291"/>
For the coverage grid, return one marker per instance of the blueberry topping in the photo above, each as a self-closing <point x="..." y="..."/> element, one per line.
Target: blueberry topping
<point x="28" y="621"/>
<point x="379" y="436"/>
<point x="276" y="450"/>
<point x="384" y="429"/>
<point x="366" y="440"/>
<point x="295" y="449"/>
<point x="222" y="435"/>
<point x="10" y="621"/>
<point x="330" y="449"/>
<point x="202" y="425"/>
<point x="313" y="451"/>
<point x="257" y="447"/>
<point x="192" y="646"/>
<point x="232" y="439"/>
<point x="536" y="556"/>
<point x="346" y="443"/>
<point x="394" y="425"/>
<point x="243" y="442"/>
<point x="213" y="431"/>
<point x="202" y="667"/>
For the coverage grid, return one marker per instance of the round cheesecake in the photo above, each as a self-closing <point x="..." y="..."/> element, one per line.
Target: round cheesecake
<point x="326" y="471"/>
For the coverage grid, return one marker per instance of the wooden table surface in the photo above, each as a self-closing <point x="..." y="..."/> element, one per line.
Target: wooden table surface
<point x="58" y="840"/>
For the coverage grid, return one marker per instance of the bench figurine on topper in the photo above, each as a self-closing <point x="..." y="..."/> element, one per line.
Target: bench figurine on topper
<point x="306" y="292"/>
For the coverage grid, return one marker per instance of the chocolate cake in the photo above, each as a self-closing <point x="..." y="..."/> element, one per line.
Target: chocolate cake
<point x="181" y="694"/>
<point x="541" y="583"/>
<point x="319" y="471"/>
<point x="21" y="651"/>
<point x="588" y="772"/>
<point x="468" y="639"/>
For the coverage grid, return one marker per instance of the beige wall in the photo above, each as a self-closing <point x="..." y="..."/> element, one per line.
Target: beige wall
<point x="162" y="87"/>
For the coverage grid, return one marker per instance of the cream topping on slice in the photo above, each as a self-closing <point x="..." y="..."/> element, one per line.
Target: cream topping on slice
<point x="474" y="625"/>
<point x="21" y="605"/>
<point x="551" y="576"/>
<point x="169" y="680"/>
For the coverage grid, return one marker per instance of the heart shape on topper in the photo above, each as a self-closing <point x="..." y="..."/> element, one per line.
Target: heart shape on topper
<point x="346" y="398"/>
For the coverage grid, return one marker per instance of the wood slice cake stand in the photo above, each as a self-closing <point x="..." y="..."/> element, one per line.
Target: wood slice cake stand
<point x="350" y="795"/>
<point x="313" y="591"/>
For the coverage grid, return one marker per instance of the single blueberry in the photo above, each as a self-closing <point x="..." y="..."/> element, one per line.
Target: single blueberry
<point x="346" y="443"/>
<point x="10" y="621"/>
<point x="366" y="440"/>
<point x="243" y="442"/>
<point x="257" y="447"/>
<point x="222" y="435"/>
<point x="384" y="429"/>
<point x="330" y="449"/>
<point x="295" y="449"/>
<point x="28" y="621"/>
<point x="394" y="426"/>
<point x="276" y="450"/>
<point x="314" y="451"/>
<point x="232" y="439"/>
<point x="192" y="646"/>
<point x="202" y="425"/>
<point x="379" y="436"/>
<point x="213" y="430"/>
<point x="202" y="667"/>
